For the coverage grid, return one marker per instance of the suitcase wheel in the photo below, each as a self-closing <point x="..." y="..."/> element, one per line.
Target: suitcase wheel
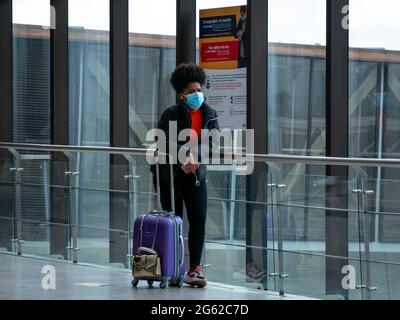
<point x="163" y="284"/>
<point x="135" y="282"/>
<point x="150" y="282"/>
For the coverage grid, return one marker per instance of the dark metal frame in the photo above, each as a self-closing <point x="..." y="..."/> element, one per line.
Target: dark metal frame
<point x="6" y="120"/>
<point x="119" y="126"/>
<point x="6" y="71"/>
<point x="185" y="31"/>
<point x="257" y="119"/>
<point x="59" y="127"/>
<point x="336" y="222"/>
<point x="257" y="72"/>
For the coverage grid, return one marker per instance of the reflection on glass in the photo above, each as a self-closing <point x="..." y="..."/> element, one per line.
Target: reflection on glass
<point x="89" y="95"/>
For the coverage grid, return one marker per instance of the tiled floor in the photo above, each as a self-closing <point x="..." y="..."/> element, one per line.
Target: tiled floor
<point x="21" y="278"/>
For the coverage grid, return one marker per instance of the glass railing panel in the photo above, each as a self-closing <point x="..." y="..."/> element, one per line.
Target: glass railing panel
<point x="104" y="238"/>
<point x="35" y="206"/>
<point x="93" y="224"/>
<point x="6" y="235"/>
<point x="381" y="257"/>
<point x="300" y="204"/>
<point x="40" y="227"/>
<point x="305" y="270"/>
<point x="6" y="205"/>
<point x="230" y="255"/>
<point x="384" y="275"/>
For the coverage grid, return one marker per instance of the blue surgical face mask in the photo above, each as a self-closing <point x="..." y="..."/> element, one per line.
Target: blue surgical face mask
<point x="195" y="100"/>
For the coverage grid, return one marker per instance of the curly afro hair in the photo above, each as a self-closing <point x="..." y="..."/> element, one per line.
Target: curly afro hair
<point x="187" y="73"/>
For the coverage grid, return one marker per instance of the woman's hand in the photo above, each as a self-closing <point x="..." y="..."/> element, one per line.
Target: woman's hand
<point x="191" y="164"/>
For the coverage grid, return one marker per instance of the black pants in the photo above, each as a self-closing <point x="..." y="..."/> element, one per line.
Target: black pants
<point x="195" y="199"/>
<point x="242" y="62"/>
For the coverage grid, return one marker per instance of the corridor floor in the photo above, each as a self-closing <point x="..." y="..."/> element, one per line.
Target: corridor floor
<point x="22" y="278"/>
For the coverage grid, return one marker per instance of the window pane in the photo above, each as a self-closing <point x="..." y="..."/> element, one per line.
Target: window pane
<point x="89" y="95"/>
<point x="31" y="71"/>
<point x="31" y="111"/>
<point x="152" y="58"/>
<point x="296" y="93"/>
<point x="296" y="125"/>
<point x="33" y="13"/>
<point x="374" y="117"/>
<point x="152" y="50"/>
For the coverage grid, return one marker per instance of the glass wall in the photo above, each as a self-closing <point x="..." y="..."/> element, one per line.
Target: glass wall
<point x="89" y="105"/>
<point x="374" y="122"/>
<point x="296" y="126"/>
<point x="31" y="113"/>
<point x="31" y="71"/>
<point x="152" y="50"/>
<point x="152" y="58"/>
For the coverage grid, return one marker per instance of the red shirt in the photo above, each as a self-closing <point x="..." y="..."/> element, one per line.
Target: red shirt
<point x="196" y="118"/>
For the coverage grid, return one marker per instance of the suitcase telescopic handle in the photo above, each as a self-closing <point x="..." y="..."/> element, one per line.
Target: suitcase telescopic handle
<point x="171" y="173"/>
<point x="158" y="180"/>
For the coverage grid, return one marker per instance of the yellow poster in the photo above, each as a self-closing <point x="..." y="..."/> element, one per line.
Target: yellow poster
<point x="221" y="32"/>
<point x="222" y="54"/>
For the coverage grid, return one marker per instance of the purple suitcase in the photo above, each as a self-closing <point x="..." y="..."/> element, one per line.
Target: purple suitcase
<point x="163" y="232"/>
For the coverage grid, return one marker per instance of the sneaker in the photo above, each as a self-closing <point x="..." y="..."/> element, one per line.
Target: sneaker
<point x="195" y="277"/>
<point x="253" y="272"/>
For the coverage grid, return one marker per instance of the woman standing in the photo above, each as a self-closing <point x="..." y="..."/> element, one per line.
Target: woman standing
<point x="191" y="112"/>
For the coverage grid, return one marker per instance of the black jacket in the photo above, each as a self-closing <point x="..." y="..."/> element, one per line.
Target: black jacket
<point x="243" y="39"/>
<point x="180" y="114"/>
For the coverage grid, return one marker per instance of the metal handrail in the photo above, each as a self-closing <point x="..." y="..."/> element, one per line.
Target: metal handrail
<point x="311" y="160"/>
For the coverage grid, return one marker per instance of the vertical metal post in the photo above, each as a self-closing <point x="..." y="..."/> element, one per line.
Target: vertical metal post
<point x="18" y="202"/>
<point x="135" y="190"/>
<point x="364" y="193"/>
<point x="133" y="201"/>
<point x="256" y="115"/>
<point x="59" y="61"/>
<point x="129" y="178"/>
<point x="18" y="218"/>
<point x="232" y="198"/>
<point x="6" y="54"/>
<point x="274" y="168"/>
<point x="6" y="118"/>
<point x="119" y="125"/>
<point x="73" y="178"/>
<point x="366" y="225"/>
